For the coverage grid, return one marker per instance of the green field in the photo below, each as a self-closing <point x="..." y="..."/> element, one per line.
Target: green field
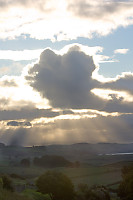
<point x="90" y="174"/>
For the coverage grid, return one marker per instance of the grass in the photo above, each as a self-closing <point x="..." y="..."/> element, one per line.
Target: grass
<point x="88" y="174"/>
<point x="27" y="172"/>
<point x="93" y="175"/>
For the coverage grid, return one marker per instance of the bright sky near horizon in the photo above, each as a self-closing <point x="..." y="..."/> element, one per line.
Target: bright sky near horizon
<point x="66" y="71"/>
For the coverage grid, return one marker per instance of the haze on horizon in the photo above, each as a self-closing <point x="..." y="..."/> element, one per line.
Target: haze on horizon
<point x="66" y="71"/>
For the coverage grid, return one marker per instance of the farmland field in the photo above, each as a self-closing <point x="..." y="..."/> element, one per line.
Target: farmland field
<point x="90" y="174"/>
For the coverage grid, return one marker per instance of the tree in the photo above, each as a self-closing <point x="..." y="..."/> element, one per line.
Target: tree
<point x="1" y="184"/>
<point x="7" y="183"/>
<point x="125" y="190"/>
<point x="58" y="185"/>
<point x="25" y="162"/>
<point x="126" y="169"/>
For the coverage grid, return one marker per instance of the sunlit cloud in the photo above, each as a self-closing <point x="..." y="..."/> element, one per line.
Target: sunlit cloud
<point x="112" y="94"/>
<point x="33" y="55"/>
<point x="68" y="131"/>
<point x="121" y="51"/>
<point x="18" y="94"/>
<point x="63" y="20"/>
<point x="20" y="55"/>
<point x="96" y="92"/>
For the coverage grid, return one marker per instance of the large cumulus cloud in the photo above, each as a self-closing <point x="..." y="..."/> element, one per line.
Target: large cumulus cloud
<point x="65" y="80"/>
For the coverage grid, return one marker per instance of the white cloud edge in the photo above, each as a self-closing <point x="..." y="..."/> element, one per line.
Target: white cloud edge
<point x="27" y="54"/>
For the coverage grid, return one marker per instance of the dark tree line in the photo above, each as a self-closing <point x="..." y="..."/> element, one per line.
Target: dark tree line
<point x="51" y="161"/>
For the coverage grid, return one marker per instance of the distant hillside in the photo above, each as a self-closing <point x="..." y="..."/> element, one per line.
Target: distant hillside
<point x="99" y="148"/>
<point x="74" y="152"/>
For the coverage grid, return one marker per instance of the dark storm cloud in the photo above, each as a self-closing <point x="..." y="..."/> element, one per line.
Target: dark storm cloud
<point x="16" y="123"/>
<point x="26" y="113"/>
<point x="98" y="10"/>
<point x="65" y="80"/>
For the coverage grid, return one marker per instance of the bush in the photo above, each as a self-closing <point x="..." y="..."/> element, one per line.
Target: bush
<point x="93" y="193"/>
<point x="16" y="176"/>
<point x="57" y="185"/>
<point x="7" y="195"/>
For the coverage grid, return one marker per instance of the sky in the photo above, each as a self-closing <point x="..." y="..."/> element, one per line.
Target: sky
<point x="66" y="71"/>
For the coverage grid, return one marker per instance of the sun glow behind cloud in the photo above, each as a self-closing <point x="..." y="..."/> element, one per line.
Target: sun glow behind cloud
<point x="106" y="94"/>
<point x="20" y="95"/>
<point x="78" y="103"/>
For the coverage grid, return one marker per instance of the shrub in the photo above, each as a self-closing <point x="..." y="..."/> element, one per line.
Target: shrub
<point x="93" y="193"/>
<point x="7" y="195"/>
